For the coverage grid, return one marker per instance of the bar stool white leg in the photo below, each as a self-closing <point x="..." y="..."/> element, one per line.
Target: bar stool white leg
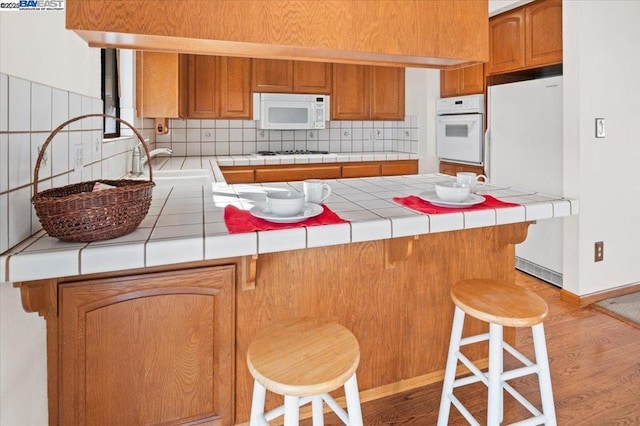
<point x="353" y="401"/>
<point x="495" y="385"/>
<point x="450" y="369"/>
<point x="544" y="376"/>
<point x="316" y="409"/>
<point x="291" y="410"/>
<point x="257" y="405"/>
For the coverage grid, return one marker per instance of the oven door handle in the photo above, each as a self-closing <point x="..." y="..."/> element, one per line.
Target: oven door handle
<point x="458" y="120"/>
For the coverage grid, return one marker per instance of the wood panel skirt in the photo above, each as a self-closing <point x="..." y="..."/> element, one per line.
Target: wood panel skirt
<point x="394" y="295"/>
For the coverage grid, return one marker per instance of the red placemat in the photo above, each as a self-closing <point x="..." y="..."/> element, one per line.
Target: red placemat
<point x="239" y="221"/>
<point x="423" y="206"/>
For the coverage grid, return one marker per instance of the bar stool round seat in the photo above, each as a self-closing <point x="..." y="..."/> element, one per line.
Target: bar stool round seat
<point x="501" y="305"/>
<point x="304" y="359"/>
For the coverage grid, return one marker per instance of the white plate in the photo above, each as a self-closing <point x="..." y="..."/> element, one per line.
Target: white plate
<point x="310" y="210"/>
<point x="431" y="197"/>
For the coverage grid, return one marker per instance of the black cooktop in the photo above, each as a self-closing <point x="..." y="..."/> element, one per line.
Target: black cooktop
<point x="292" y="152"/>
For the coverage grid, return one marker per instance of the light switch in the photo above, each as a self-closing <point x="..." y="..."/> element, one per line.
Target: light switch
<point x="599" y="127"/>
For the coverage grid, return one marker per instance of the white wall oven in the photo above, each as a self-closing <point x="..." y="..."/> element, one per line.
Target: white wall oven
<point x="460" y="129"/>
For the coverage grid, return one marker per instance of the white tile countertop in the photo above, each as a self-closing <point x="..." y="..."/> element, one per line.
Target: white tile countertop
<point x="186" y="224"/>
<point x="340" y="157"/>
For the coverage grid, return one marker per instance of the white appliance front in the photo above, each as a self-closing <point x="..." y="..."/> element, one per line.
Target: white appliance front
<point x="459" y="138"/>
<point x="282" y="111"/>
<point x="525" y="151"/>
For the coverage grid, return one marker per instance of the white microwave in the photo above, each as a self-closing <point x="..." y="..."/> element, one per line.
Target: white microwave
<point x="288" y="111"/>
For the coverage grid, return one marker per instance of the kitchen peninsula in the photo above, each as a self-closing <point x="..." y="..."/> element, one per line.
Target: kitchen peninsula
<point x="154" y="326"/>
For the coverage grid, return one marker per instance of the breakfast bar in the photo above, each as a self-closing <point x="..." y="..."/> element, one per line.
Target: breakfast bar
<point x="194" y="294"/>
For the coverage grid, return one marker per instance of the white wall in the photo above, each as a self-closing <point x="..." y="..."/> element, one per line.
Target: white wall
<point x="601" y="70"/>
<point x="422" y="89"/>
<point x="36" y="47"/>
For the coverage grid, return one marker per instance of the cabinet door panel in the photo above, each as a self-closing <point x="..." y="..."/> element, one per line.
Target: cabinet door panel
<point x="544" y="33"/>
<point x="234" y="87"/>
<point x="284" y="174"/>
<point x="472" y="80"/>
<point x="203" y="101"/>
<point x="231" y="175"/>
<point x="450" y="83"/>
<point x="387" y="93"/>
<point x="272" y="75"/>
<point x="506" y="42"/>
<point x="453" y="168"/>
<point x="350" y="94"/>
<point x="150" y="349"/>
<point x="158" y="84"/>
<point x="312" y="77"/>
<point x="361" y="170"/>
<point x="409" y="167"/>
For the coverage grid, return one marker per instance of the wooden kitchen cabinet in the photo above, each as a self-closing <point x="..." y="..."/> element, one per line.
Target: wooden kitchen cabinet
<point x="527" y="37"/>
<point x="281" y="76"/>
<point x="219" y="87"/>
<point x="161" y="85"/>
<point x="284" y="173"/>
<point x="461" y="82"/>
<point x="361" y="170"/>
<point x="387" y="93"/>
<point x="362" y="92"/>
<point x="296" y="172"/>
<point x="543" y="36"/>
<point x="148" y="349"/>
<point x="453" y="168"/>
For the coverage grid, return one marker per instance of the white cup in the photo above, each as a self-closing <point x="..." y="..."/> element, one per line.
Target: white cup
<point x="315" y="191"/>
<point x="472" y="179"/>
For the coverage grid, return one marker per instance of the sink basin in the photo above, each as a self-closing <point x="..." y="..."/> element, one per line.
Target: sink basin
<point x="192" y="177"/>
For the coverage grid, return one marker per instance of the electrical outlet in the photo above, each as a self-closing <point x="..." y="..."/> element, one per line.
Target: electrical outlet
<point x="45" y="156"/>
<point x="378" y="134"/>
<point x="599" y="252"/>
<point x="78" y="160"/>
<point x="599" y="127"/>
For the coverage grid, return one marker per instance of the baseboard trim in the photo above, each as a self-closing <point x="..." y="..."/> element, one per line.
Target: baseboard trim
<point x="589" y="299"/>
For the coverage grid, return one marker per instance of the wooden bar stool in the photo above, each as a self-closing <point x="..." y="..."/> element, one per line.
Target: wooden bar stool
<point x="303" y="359"/>
<point x="499" y="304"/>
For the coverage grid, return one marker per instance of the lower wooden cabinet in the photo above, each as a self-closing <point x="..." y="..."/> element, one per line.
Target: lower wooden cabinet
<point x="148" y="349"/>
<point x="285" y="173"/>
<point x="361" y="170"/>
<point x="453" y="168"/>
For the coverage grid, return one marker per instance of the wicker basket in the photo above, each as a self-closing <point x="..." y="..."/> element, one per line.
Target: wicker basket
<point x="77" y="213"/>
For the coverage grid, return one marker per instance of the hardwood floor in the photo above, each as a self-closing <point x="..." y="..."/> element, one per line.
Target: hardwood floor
<point x="595" y="369"/>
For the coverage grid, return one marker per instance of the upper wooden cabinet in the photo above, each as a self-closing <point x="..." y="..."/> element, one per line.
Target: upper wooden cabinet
<point x="219" y="87"/>
<point x="362" y="92"/>
<point x="169" y="85"/>
<point x="382" y="32"/>
<point x="160" y="85"/>
<point x="527" y="37"/>
<point x="280" y="76"/>
<point x="465" y="81"/>
<point x="543" y="35"/>
<point x="387" y="93"/>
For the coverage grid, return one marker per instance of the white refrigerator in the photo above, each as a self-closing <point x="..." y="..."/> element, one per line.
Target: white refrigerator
<point x="524" y="151"/>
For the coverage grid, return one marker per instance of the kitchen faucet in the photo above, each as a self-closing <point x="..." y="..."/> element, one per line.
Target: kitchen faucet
<point x="138" y="161"/>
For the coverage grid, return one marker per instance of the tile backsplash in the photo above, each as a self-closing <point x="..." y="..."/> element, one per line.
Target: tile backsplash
<point x="29" y="111"/>
<point x="240" y="137"/>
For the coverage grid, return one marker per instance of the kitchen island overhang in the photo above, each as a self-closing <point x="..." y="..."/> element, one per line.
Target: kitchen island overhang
<point x="389" y="282"/>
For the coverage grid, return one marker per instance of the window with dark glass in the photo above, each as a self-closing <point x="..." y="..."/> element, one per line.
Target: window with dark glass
<point x="110" y="92"/>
